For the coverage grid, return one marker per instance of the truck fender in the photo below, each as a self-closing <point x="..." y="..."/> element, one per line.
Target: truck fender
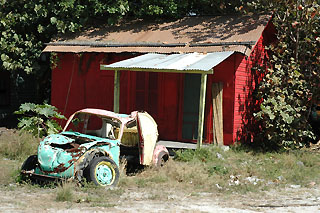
<point x="160" y="155"/>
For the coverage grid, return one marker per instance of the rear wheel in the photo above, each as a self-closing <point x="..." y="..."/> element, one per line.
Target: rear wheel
<point x="162" y="158"/>
<point x="103" y="171"/>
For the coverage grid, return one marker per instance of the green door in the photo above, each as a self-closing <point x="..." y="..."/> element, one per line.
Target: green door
<point x="191" y="97"/>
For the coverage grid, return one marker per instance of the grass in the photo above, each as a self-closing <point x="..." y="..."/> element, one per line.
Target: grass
<point x="234" y="171"/>
<point x="241" y="170"/>
<point x="9" y="171"/>
<point x="97" y="196"/>
<point x="17" y="145"/>
<point x="65" y="192"/>
<point x="209" y="169"/>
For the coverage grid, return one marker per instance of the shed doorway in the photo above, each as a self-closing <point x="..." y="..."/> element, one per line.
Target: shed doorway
<point x="191" y="97"/>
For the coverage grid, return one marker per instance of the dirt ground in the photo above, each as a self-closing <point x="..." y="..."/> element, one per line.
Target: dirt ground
<point x="17" y="198"/>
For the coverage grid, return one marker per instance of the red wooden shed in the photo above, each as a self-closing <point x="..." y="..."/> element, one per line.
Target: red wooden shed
<point x="192" y="75"/>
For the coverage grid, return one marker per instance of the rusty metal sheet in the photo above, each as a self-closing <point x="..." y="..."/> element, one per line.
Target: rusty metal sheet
<point x="189" y="31"/>
<point x="79" y="49"/>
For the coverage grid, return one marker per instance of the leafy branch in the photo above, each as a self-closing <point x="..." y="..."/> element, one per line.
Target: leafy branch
<point x="290" y="87"/>
<point x="39" y="119"/>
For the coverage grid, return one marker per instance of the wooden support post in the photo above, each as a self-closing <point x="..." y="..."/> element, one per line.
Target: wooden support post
<point x="116" y="92"/>
<point x="202" y="104"/>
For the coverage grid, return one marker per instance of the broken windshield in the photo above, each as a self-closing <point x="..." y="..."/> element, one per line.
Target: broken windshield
<point x="95" y="125"/>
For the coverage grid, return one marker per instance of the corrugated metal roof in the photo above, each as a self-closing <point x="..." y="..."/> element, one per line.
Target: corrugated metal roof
<point x="184" y="62"/>
<point x="189" y="31"/>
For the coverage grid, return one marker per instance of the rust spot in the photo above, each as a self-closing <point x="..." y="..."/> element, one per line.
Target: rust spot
<point x="60" y="168"/>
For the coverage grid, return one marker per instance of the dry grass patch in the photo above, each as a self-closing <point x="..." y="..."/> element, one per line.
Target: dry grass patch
<point x="17" y="145"/>
<point x="65" y="192"/>
<point x="9" y="171"/>
<point x="234" y="171"/>
<point x="208" y="169"/>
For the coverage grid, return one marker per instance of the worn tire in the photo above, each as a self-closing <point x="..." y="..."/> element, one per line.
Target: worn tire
<point x="103" y="171"/>
<point x="30" y="163"/>
<point x="162" y="158"/>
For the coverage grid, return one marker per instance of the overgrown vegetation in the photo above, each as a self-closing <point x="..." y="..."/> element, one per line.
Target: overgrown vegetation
<point x="290" y="87"/>
<point x="232" y="171"/>
<point x="26" y="25"/>
<point x="210" y="169"/>
<point x="38" y="119"/>
<point x="239" y="170"/>
<point x="17" y="145"/>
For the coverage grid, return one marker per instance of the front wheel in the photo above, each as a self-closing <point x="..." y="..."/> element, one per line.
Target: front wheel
<point x="103" y="171"/>
<point x="30" y="163"/>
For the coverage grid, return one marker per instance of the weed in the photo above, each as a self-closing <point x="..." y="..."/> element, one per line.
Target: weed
<point x="241" y="170"/>
<point x="218" y="169"/>
<point x="141" y="182"/>
<point x="158" y="179"/>
<point x="97" y="196"/>
<point x="17" y="145"/>
<point x="65" y="192"/>
<point x="9" y="171"/>
<point x="238" y="170"/>
<point x="16" y="175"/>
<point x="202" y="154"/>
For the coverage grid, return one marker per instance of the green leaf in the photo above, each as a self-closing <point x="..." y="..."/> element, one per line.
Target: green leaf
<point x="53" y="20"/>
<point x="39" y="119"/>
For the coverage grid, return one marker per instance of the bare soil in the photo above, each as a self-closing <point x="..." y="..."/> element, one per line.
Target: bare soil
<point x="25" y="198"/>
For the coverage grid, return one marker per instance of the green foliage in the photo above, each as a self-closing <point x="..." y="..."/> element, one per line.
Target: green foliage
<point x="202" y="154"/>
<point x="290" y="86"/>
<point x="26" y="25"/>
<point x="179" y="8"/>
<point x="38" y="119"/>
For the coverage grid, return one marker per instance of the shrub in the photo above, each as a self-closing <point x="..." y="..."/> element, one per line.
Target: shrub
<point x="38" y="119"/>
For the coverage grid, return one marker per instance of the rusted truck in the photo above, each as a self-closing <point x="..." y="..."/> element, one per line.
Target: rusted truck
<point x="91" y="145"/>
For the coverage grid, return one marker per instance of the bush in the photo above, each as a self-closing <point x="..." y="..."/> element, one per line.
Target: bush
<point x="38" y="119"/>
<point x="290" y="87"/>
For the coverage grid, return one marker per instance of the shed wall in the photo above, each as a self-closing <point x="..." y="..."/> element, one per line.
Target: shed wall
<point x="78" y="82"/>
<point x="224" y="73"/>
<point x="246" y="81"/>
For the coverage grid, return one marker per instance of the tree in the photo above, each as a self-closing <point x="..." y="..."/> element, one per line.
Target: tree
<point x="290" y="86"/>
<point x="26" y="25"/>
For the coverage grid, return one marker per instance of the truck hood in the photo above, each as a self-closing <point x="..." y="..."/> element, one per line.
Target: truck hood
<point x="57" y="152"/>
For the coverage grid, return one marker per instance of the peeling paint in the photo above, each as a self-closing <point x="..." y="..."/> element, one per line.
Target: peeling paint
<point x="69" y="153"/>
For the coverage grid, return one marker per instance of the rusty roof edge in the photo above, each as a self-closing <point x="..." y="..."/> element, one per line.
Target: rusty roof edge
<point x="229" y="43"/>
<point x="145" y="44"/>
<point x="101" y="44"/>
